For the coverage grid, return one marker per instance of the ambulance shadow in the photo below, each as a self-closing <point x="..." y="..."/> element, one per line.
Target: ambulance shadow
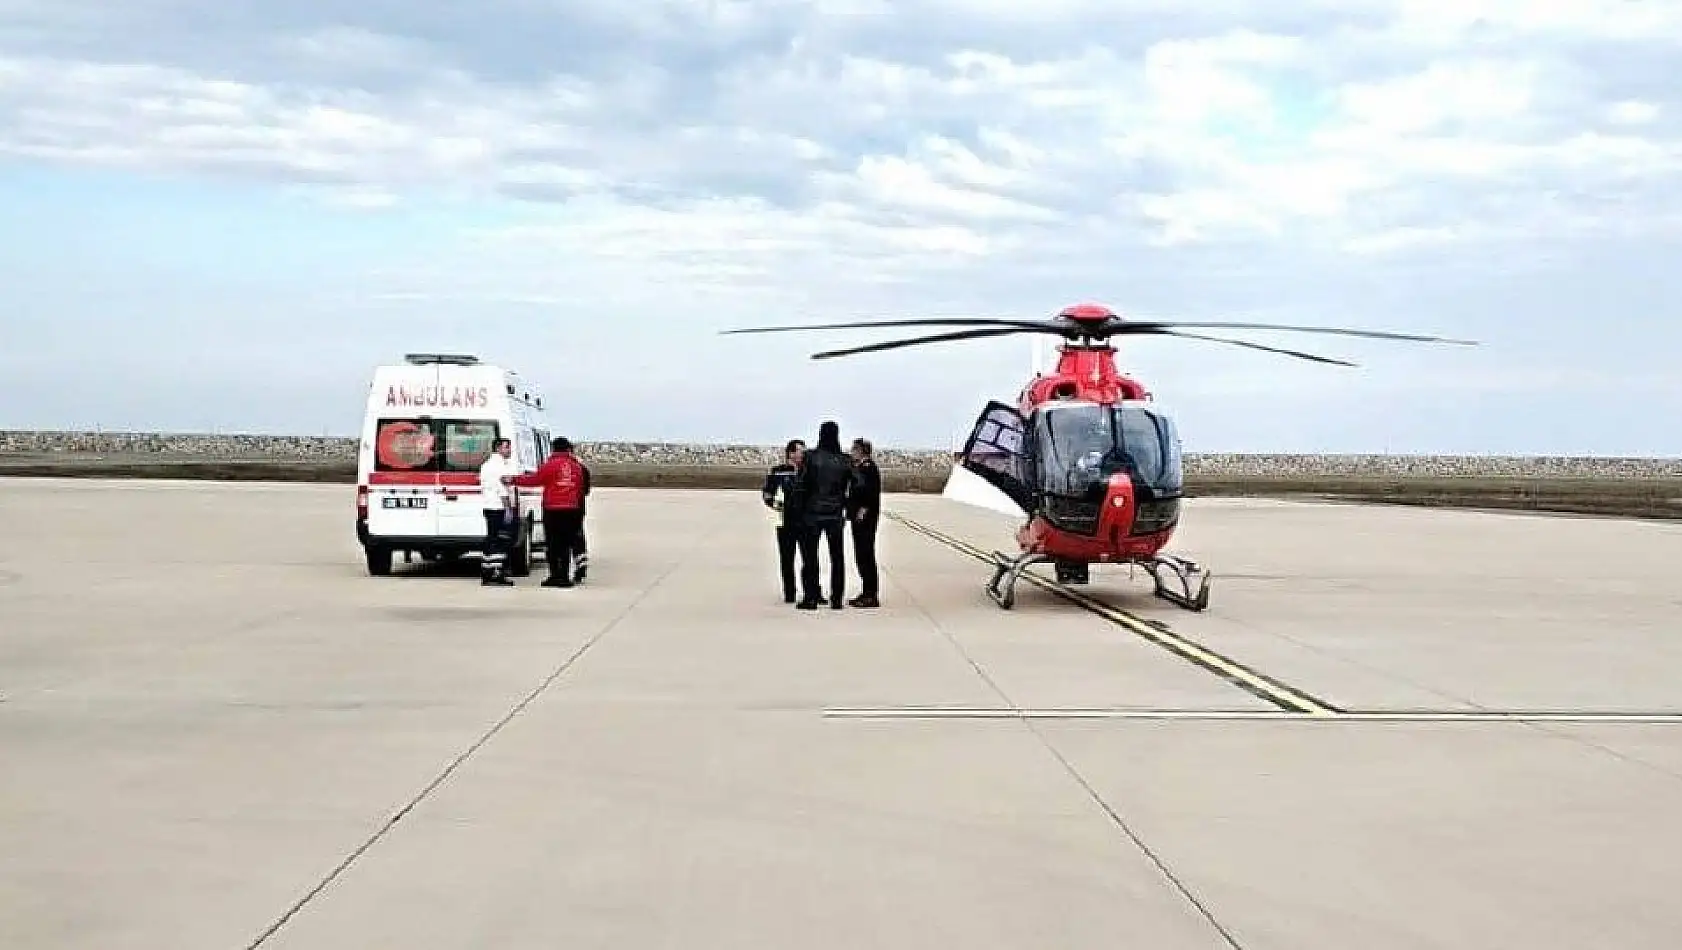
<point x="448" y="568"/>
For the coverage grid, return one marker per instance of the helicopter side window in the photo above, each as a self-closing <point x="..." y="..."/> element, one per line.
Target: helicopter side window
<point x="996" y="452"/>
<point x="1173" y="461"/>
<point x="1142" y="443"/>
<point x="997" y="445"/>
<point x="1151" y="448"/>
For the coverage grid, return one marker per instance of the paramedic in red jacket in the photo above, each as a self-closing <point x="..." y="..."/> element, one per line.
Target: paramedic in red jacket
<point x="562" y="478"/>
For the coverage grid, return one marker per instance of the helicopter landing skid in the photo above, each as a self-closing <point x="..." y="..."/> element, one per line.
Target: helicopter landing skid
<point x="1179" y="591"/>
<point x="1184" y="572"/>
<point x="1006" y="572"/>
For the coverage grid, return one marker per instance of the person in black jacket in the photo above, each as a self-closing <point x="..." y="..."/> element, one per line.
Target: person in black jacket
<point x="782" y="497"/>
<point x="826" y="476"/>
<point x="864" y="513"/>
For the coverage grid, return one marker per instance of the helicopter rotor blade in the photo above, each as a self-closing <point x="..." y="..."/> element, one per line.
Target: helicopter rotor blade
<point x="935" y="338"/>
<point x="1148" y="326"/>
<point x="928" y="322"/>
<point x="1254" y="346"/>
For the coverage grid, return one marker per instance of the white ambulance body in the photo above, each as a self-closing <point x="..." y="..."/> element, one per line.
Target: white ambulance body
<point x="429" y="424"/>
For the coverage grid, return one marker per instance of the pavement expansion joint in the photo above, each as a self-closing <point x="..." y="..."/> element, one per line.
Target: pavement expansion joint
<point x="461" y="759"/>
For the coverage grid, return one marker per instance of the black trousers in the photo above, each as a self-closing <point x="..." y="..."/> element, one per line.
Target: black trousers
<point x="788" y="542"/>
<point x="499" y="540"/>
<point x="834" y="534"/>
<point x="581" y="549"/>
<point x="864" y="554"/>
<point x="561" y="528"/>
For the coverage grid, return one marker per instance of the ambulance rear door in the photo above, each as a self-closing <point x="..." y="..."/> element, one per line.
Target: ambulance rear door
<point x="464" y="442"/>
<point x="403" y="483"/>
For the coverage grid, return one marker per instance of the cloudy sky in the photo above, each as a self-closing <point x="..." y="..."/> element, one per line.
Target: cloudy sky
<point x="222" y="213"/>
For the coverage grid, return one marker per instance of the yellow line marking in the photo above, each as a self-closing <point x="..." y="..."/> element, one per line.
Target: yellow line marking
<point x="1283" y="696"/>
<point x="1238" y="715"/>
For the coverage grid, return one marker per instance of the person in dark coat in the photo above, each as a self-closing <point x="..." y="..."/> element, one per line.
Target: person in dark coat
<point x="826" y="477"/>
<point x="864" y="515"/>
<point x="781" y="495"/>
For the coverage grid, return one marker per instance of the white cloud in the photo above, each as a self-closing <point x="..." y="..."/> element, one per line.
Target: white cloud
<point x="1474" y="93"/>
<point x="1238" y="134"/>
<point x="1605" y="20"/>
<point x="1633" y="112"/>
<point x="832" y="156"/>
<point x="1197" y="81"/>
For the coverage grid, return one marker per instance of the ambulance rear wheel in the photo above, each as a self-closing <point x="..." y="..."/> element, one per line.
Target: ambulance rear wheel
<point x="379" y="559"/>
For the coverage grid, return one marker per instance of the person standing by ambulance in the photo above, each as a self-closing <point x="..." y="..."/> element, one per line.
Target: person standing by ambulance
<point x="497" y="498"/>
<point x="561" y="476"/>
<point x="581" y="553"/>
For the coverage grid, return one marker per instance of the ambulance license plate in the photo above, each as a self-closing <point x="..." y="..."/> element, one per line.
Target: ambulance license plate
<point x="417" y="501"/>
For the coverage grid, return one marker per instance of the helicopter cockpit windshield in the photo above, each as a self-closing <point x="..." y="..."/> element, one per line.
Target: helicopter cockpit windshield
<point x="1077" y="446"/>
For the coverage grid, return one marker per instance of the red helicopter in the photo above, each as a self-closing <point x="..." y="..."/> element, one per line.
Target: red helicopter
<point x="1085" y="455"/>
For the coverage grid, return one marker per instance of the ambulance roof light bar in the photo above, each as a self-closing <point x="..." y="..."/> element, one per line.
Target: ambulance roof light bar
<point x="432" y="359"/>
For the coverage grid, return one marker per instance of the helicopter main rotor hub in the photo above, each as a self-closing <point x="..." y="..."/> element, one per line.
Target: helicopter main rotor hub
<point x="1088" y="323"/>
<point x="1088" y="314"/>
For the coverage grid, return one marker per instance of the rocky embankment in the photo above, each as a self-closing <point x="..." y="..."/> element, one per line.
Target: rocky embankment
<point x="168" y="447"/>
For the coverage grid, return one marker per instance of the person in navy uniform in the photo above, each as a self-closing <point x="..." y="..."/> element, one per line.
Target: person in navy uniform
<point x="781" y="497"/>
<point x="864" y="514"/>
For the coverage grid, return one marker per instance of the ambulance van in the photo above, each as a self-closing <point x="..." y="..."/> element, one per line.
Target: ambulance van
<point x="429" y="424"/>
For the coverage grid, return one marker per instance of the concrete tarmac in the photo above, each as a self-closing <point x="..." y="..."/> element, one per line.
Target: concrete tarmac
<point x="218" y="732"/>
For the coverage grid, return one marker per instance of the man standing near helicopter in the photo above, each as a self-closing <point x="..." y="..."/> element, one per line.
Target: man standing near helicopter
<point x="781" y="495"/>
<point x="824" y="482"/>
<point x="864" y="515"/>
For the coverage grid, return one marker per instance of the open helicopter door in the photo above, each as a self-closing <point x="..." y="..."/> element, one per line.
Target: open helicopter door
<point x="992" y="471"/>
